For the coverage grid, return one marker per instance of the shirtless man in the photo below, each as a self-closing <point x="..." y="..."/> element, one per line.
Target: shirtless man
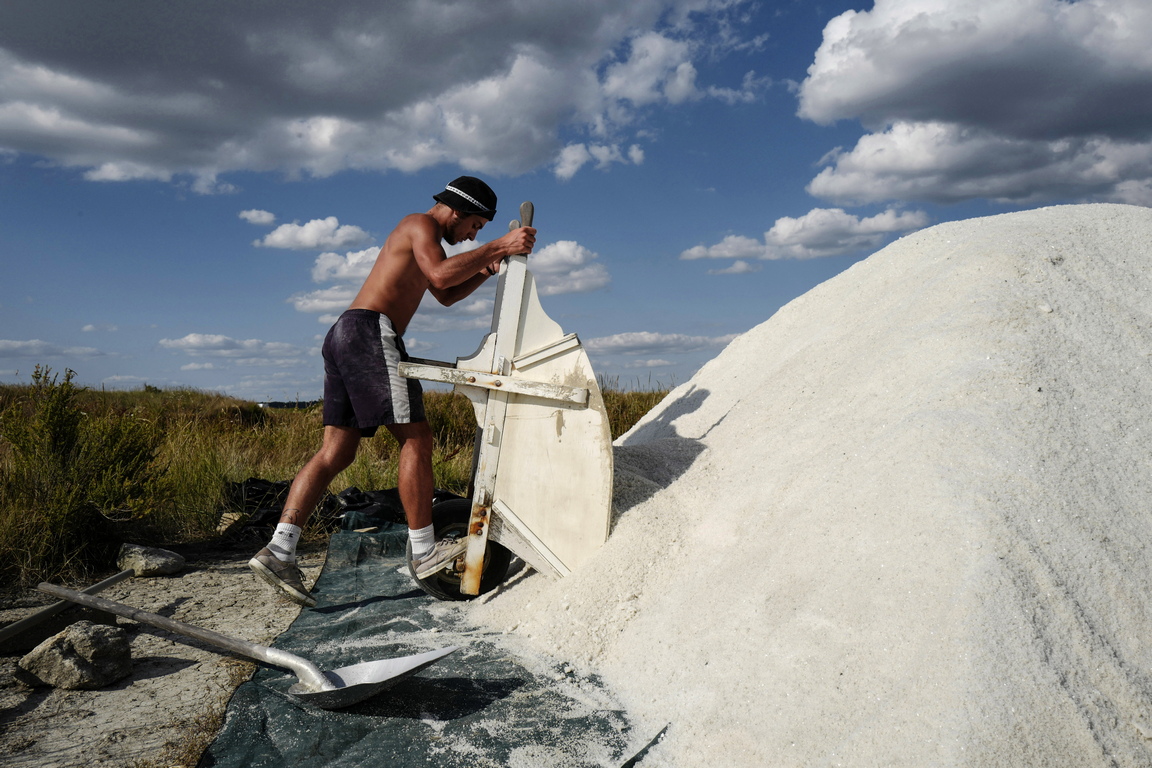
<point x="363" y="389"/>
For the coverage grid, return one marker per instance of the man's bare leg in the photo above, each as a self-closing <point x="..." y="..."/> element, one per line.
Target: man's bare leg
<point x="336" y="454"/>
<point x="428" y="555"/>
<point x="415" y="472"/>
<point x="276" y="563"/>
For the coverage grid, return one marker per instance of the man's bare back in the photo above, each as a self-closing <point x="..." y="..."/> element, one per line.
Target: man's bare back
<point x="413" y="261"/>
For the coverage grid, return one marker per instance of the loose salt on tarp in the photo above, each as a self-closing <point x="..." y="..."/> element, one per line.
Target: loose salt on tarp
<point x="482" y="707"/>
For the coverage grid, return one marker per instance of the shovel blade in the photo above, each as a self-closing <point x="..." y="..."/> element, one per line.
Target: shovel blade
<point x="358" y="682"/>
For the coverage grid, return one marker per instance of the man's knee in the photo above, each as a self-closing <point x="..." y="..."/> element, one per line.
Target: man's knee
<point x="339" y="447"/>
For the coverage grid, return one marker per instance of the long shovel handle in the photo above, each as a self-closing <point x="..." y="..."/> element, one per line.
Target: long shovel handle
<point x="309" y="674"/>
<point x="43" y="615"/>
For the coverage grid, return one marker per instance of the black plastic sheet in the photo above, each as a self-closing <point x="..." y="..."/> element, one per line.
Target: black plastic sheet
<point x="481" y="706"/>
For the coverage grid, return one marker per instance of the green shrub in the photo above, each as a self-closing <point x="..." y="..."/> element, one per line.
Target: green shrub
<point x="67" y="476"/>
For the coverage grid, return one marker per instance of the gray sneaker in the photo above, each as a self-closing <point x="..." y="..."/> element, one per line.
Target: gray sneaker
<point x="283" y="576"/>
<point x="445" y="551"/>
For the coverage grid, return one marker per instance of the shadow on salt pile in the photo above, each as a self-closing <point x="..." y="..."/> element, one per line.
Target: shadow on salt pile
<point x="652" y="456"/>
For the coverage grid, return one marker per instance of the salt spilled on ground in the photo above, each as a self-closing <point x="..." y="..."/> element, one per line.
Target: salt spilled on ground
<point x="905" y="521"/>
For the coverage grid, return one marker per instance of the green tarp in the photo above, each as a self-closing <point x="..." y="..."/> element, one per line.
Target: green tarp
<point x="481" y="706"/>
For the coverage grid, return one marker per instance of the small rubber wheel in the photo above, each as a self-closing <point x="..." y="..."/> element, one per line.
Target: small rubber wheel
<point x="450" y="521"/>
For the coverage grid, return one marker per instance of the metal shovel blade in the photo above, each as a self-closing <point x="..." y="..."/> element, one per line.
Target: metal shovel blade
<point x="329" y="690"/>
<point x="357" y="682"/>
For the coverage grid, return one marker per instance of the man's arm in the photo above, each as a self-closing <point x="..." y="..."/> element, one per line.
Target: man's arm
<point x="449" y="296"/>
<point x="451" y="279"/>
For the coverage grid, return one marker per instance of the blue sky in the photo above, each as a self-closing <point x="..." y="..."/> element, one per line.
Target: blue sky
<point x="191" y="191"/>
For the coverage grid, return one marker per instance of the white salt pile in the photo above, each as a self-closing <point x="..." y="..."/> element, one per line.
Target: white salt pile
<point x="903" y="522"/>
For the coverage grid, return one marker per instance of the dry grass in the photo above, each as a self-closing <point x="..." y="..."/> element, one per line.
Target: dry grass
<point x="82" y="470"/>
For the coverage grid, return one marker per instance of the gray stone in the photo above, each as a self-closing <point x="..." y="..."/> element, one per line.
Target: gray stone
<point x="34" y="635"/>
<point x="82" y="657"/>
<point x="148" y="561"/>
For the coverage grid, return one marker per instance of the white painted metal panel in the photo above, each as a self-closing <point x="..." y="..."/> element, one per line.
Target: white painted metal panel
<point x="543" y="482"/>
<point x="555" y="464"/>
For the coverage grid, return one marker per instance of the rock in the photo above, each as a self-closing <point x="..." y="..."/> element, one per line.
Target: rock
<point x="148" y="561"/>
<point x="34" y="635"/>
<point x="82" y="657"/>
<point x="229" y="522"/>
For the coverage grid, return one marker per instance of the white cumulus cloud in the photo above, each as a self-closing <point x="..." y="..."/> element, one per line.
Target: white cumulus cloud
<point x="658" y="68"/>
<point x="334" y="299"/>
<point x="567" y="267"/>
<point x="1017" y="101"/>
<point x="820" y="232"/>
<point x="255" y="216"/>
<point x="648" y="342"/>
<point x="738" y="267"/>
<point x="40" y="349"/>
<point x="316" y="234"/>
<point x="238" y="350"/>
<point x="354" y="265"/>
<point x="191" y="92"/>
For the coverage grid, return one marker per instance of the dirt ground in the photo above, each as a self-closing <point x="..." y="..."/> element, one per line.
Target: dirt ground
<point x="171" y="706"/>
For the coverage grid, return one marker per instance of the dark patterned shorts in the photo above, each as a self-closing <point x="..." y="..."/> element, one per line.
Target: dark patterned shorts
<point x="363" y="387"/>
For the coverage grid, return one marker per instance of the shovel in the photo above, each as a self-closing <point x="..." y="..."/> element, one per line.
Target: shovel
<point x="332" y="689"/>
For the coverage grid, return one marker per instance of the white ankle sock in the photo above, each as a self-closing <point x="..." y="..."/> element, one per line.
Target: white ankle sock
<point x="283" y="544"/>
<point x="423" y="540"/>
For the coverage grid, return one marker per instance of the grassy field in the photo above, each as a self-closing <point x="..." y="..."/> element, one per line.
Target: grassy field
<point x="82" y="470"/>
